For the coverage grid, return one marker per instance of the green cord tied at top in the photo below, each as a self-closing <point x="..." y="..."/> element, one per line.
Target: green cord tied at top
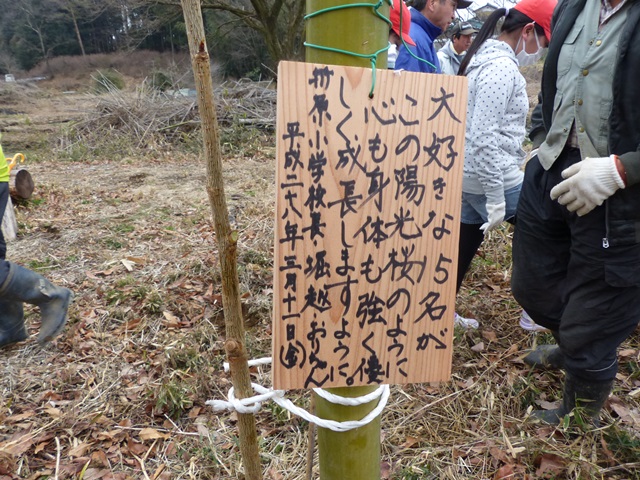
<point x="373" y="57"/>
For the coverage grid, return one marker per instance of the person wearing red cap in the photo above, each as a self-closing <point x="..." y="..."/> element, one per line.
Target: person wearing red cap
<point x="429" y="18"/>
<point x="399" y="31"/>
<point x="576" y="246"/>
<point x="497" y="109"/>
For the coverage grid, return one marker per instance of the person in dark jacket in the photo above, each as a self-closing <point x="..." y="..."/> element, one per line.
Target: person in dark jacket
<point x="576" y="245"/>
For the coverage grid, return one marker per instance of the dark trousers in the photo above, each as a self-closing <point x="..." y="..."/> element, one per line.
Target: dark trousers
<point x="4" y="271"/>
<point x="566" y="278"/>
<point x="471" y="238"/>
<point x="4" y="198"/>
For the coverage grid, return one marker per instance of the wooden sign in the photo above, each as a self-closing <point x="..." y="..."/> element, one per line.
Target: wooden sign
<point x="367" y="222"/>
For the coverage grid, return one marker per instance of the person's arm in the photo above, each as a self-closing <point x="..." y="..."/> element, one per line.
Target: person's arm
<point x="406" y="61"/>
<point x="630" y="167"/>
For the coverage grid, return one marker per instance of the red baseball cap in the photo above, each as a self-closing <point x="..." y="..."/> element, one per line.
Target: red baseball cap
<point x="394" y="15"/>
<point x="539" y="11"/>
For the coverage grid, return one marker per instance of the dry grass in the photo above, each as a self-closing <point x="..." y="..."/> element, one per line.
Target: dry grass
<point x="120" y="394"/>
<point x="74" y="72"/>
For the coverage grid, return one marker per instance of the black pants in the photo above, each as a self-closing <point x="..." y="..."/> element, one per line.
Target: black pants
<point x="566" y="278"/>
<point x="4" y="198"/>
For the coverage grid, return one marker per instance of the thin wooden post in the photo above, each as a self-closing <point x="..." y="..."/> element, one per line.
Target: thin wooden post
<point x="355" y="454"/>
<point x="227" y="238"/>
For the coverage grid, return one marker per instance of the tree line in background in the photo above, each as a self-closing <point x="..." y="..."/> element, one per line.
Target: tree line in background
<point x="246" y="37"/>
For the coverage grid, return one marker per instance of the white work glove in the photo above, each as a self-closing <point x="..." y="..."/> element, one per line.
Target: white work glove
<point x="588" y="183"/>
<point x="495" y="216"/>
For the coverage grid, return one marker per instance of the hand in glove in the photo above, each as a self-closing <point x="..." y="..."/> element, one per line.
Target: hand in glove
<point x="495" y="214"/>
<point x="589" y="183"/>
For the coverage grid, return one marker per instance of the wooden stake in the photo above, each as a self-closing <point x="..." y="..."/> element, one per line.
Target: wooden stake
<point x="227" y="238"/>
<point x="353" y="455"/>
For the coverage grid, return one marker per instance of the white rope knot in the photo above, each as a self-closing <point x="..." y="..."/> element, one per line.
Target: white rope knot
<point x="248" y="404"/>
<point x="253" y="404"/>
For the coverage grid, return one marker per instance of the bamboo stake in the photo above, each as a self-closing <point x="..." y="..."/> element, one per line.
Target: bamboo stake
<point x="227" y="238"/>
<point x="353" y="455"/>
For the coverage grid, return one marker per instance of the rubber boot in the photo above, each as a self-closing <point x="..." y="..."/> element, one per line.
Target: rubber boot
<point x="588" y="397"/>
<point x="26" y="286"/>
<point x="545" y="357"/>
<point x="12" y="327"/>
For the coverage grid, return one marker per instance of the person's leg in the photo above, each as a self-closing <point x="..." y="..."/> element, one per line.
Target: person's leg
<point x="473" y="214"/>
<point x="471" y="238"/>
<point x="12" y="328"/>
<point x="25" y="286"/>
<point x="541" y="245"/>
<point x="540" y="253"/>
<point x="4" y="199"/>
<point x="601" y="312"/>
<point x="569" y="282"/>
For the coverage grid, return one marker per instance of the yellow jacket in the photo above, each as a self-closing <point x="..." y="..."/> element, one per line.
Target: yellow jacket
<point x="4" y="167"/>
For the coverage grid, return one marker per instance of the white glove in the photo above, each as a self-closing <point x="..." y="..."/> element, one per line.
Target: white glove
<point x="588" y="183"/>
<point x="495" y="214"/>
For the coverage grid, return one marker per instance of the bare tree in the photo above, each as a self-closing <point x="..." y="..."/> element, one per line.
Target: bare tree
<point x="36" y="16"/>
<point x="279" y="22"/>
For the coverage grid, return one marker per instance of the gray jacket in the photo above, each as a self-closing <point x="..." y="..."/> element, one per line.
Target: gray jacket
<point x="449" y="59"/>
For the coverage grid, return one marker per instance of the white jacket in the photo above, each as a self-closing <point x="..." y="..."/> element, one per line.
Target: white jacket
<point x="497" y="110"/>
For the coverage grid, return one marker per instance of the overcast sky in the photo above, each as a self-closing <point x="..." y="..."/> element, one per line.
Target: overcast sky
<point x="466" y="13"/>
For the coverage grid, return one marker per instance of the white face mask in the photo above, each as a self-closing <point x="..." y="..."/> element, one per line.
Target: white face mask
<point x="524" y="58"/>
<point x="392" y="55"/>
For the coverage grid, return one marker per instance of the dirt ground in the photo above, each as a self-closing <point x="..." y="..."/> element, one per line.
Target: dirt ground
<point x="121" y="393"/>
<point x="133" y="239"/>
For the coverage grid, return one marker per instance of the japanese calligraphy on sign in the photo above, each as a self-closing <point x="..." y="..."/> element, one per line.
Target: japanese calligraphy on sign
<point x="367" y="223"/>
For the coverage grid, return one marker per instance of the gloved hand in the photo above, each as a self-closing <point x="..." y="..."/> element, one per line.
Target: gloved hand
<point x="495" y="214"/>
<point x="588" y="183"/>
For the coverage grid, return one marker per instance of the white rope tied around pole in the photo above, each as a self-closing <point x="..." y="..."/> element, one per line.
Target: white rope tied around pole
<point x="253" y="404"/>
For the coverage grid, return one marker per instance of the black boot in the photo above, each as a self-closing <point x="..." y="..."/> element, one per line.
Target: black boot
<point x="25" y="286"/>
<point x="586" y="397"/>
<point x="545" y="357"/>
<point x="12" y="328"/>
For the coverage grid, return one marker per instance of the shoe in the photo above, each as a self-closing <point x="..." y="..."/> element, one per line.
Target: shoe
<point x="12" y="327"/>
<point x="527" y="323"/>
<point x="25" y="286"/>
<point x="465" y="323"/>
<point x="545" y="357"/>
<point x="587" y="398"/>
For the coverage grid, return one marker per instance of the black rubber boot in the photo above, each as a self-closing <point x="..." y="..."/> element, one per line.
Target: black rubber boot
<point x="24" y="286"/>
<point x="12" y="328"/>
<point x="545" y="357"/>
<point x="586" y="397"/>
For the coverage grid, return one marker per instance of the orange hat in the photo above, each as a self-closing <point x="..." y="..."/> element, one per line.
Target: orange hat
<point x="539" y="11"/>
<point x="394" y="15"/>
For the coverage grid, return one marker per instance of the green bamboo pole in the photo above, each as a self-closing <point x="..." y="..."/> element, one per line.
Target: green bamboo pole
<point x="355" y="29"/>
<point x="355" y="454"/>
